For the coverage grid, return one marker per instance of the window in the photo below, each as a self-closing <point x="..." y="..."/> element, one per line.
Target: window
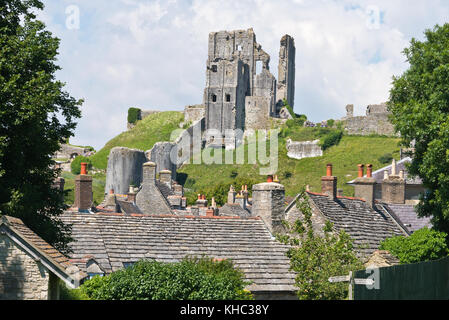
<point x="239" y="47"/>
<point x="228" y="98"/>
<point x="259" y="67"/>
<point x="214" y="68"/>
<point x="128" y="264"/>
<point x="214" y="98"/>
<point x="91" y="275"/>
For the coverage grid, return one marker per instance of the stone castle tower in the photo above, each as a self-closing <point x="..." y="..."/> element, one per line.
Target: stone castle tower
<point x="236" y="95"/>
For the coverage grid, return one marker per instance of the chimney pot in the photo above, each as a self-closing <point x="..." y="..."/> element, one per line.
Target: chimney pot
<point x="83" y="168"/>
<point x="361" y="174"/>
<point x="329" y="170"/>
<point x="111" y="191"/>
<point x="369" y="170"/>
<point x="270" y="179"/>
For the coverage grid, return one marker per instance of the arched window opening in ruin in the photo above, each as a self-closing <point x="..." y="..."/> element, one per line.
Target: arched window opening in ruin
<point x="239" y="47"/>
<point x="214" y="68"/>
<point x="228" y="98"/>
<point x="214" y="98"/>
<point x="259" y="67"/>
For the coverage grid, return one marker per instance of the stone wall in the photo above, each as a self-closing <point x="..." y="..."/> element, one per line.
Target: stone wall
<point x="286" y="72"/>
<point x="193" y="114"/>
<point x="124" y="168"/>
<point x="70" y="152"/>
<point x="161" y="155"/>
<point x="372" y="124"/>
<point x="257" y="113"/>
<point x="303" y="149"/>
<point x="21" y="278"/>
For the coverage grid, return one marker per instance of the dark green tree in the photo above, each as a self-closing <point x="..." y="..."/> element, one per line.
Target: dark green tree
<point x="422" y="245"/>
<point x="419" y="102"/>
<point x="317" y="257"/>
<point x="190" y="279"/>
<point x="36" y="115"/>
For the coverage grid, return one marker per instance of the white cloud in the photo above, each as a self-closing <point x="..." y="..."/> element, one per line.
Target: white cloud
<point x="152" y="54"/>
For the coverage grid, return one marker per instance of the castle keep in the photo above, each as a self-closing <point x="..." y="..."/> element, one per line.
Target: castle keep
<point x="239" y="82"/>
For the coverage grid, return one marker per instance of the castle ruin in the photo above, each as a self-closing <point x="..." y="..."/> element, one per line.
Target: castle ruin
<point x="239" y="82"/>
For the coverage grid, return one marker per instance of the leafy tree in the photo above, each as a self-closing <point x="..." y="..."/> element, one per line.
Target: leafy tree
<point x="423" y="245"/>
<point x="75" y="166"/>
<point x="133" y="115"/>
<point x="190" y="279"/>
<point x="419" y="102"/>
<point x="36" y="115"/>
<point x="316" y="257"/>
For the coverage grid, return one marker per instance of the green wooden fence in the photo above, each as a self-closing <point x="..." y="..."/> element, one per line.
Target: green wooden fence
<point x="420" y="281"/>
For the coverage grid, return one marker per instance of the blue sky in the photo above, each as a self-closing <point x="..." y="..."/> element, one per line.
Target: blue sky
<point x="152" y="54"/>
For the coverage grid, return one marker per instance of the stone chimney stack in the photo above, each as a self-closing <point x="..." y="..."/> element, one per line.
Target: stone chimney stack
<point x="268" y="203"/>
<point x="132" y="195"/>
<point x="364" y="186"/>
<point x="231" y="195"/>
<point x="83" y="190"/>
<point x="201" y="202"/>
<point x="393" y="186"/>
<point x="149" y="173"/>
<point x="165" y="177"/>
<point x="329" y="184"/>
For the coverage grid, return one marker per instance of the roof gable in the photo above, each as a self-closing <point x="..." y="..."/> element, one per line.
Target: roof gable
<point x="41" y="251"/>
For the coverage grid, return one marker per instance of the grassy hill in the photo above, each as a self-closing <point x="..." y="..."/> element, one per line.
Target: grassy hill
<point x="154" y="128"/>
<point x="214" y="180"/>
<point x="293" y="174"/>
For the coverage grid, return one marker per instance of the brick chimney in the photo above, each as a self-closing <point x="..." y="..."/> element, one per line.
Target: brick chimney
<point x="364" y="186"/>
<point x="393" y="187"/>
<point x="83" y="190"/>
<point x="268" y="203"/>
<point x="329" y="183"/>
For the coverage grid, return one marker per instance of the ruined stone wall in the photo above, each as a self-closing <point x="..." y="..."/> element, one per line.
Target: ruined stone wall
<point x="68" y="152"/>
<point x="124" y="168"/>
<point x="303" y="149"/>
<point x="21" y="278"/>
<point x="286" y="72"/>
<point x="372" y="124"/>
<point x="257" y="113"/>
<point x="193" y="114"/>
<point x="160" y="154"/>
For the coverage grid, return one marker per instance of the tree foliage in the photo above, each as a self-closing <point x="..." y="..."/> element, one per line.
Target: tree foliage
<point x="423" y="245"/>
<point x="36" y="115"/>
<point x="316" y="257"/>
<point x="190" y="279"/>
<point x="75" y="166"/>
<point x="133" y="115"/>
<point x="419" y="102"/>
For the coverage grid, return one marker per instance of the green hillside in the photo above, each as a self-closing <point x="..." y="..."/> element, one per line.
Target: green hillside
<point x="294" y="174"/>
<point x="154" y="128"/>
<point x="214" y="180"/>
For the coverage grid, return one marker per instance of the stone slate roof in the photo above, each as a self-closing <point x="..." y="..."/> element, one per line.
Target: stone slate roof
<point x="409" y="217"/>
<point x="378" y="175"/>
<point x="128" y="207"/>
<point x="37" y="246"/>
<point x="164" y="188"/>
<point x="233" y="210"/>
<point x="114" y="239"/>
<point x="366" y="226"/>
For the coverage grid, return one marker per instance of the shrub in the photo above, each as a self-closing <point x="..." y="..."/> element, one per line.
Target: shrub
<point x="386" y="158"/>
<point x="190" y="279"/>
<point x="423" y="245"/>
<point x="330" y="123"/>
<point x="133" y="115"/>
<point x="289" y="108"/>
<point x="315" y="258"/>
<point x="75" y="166"/>
<point x="331" y="139"/>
